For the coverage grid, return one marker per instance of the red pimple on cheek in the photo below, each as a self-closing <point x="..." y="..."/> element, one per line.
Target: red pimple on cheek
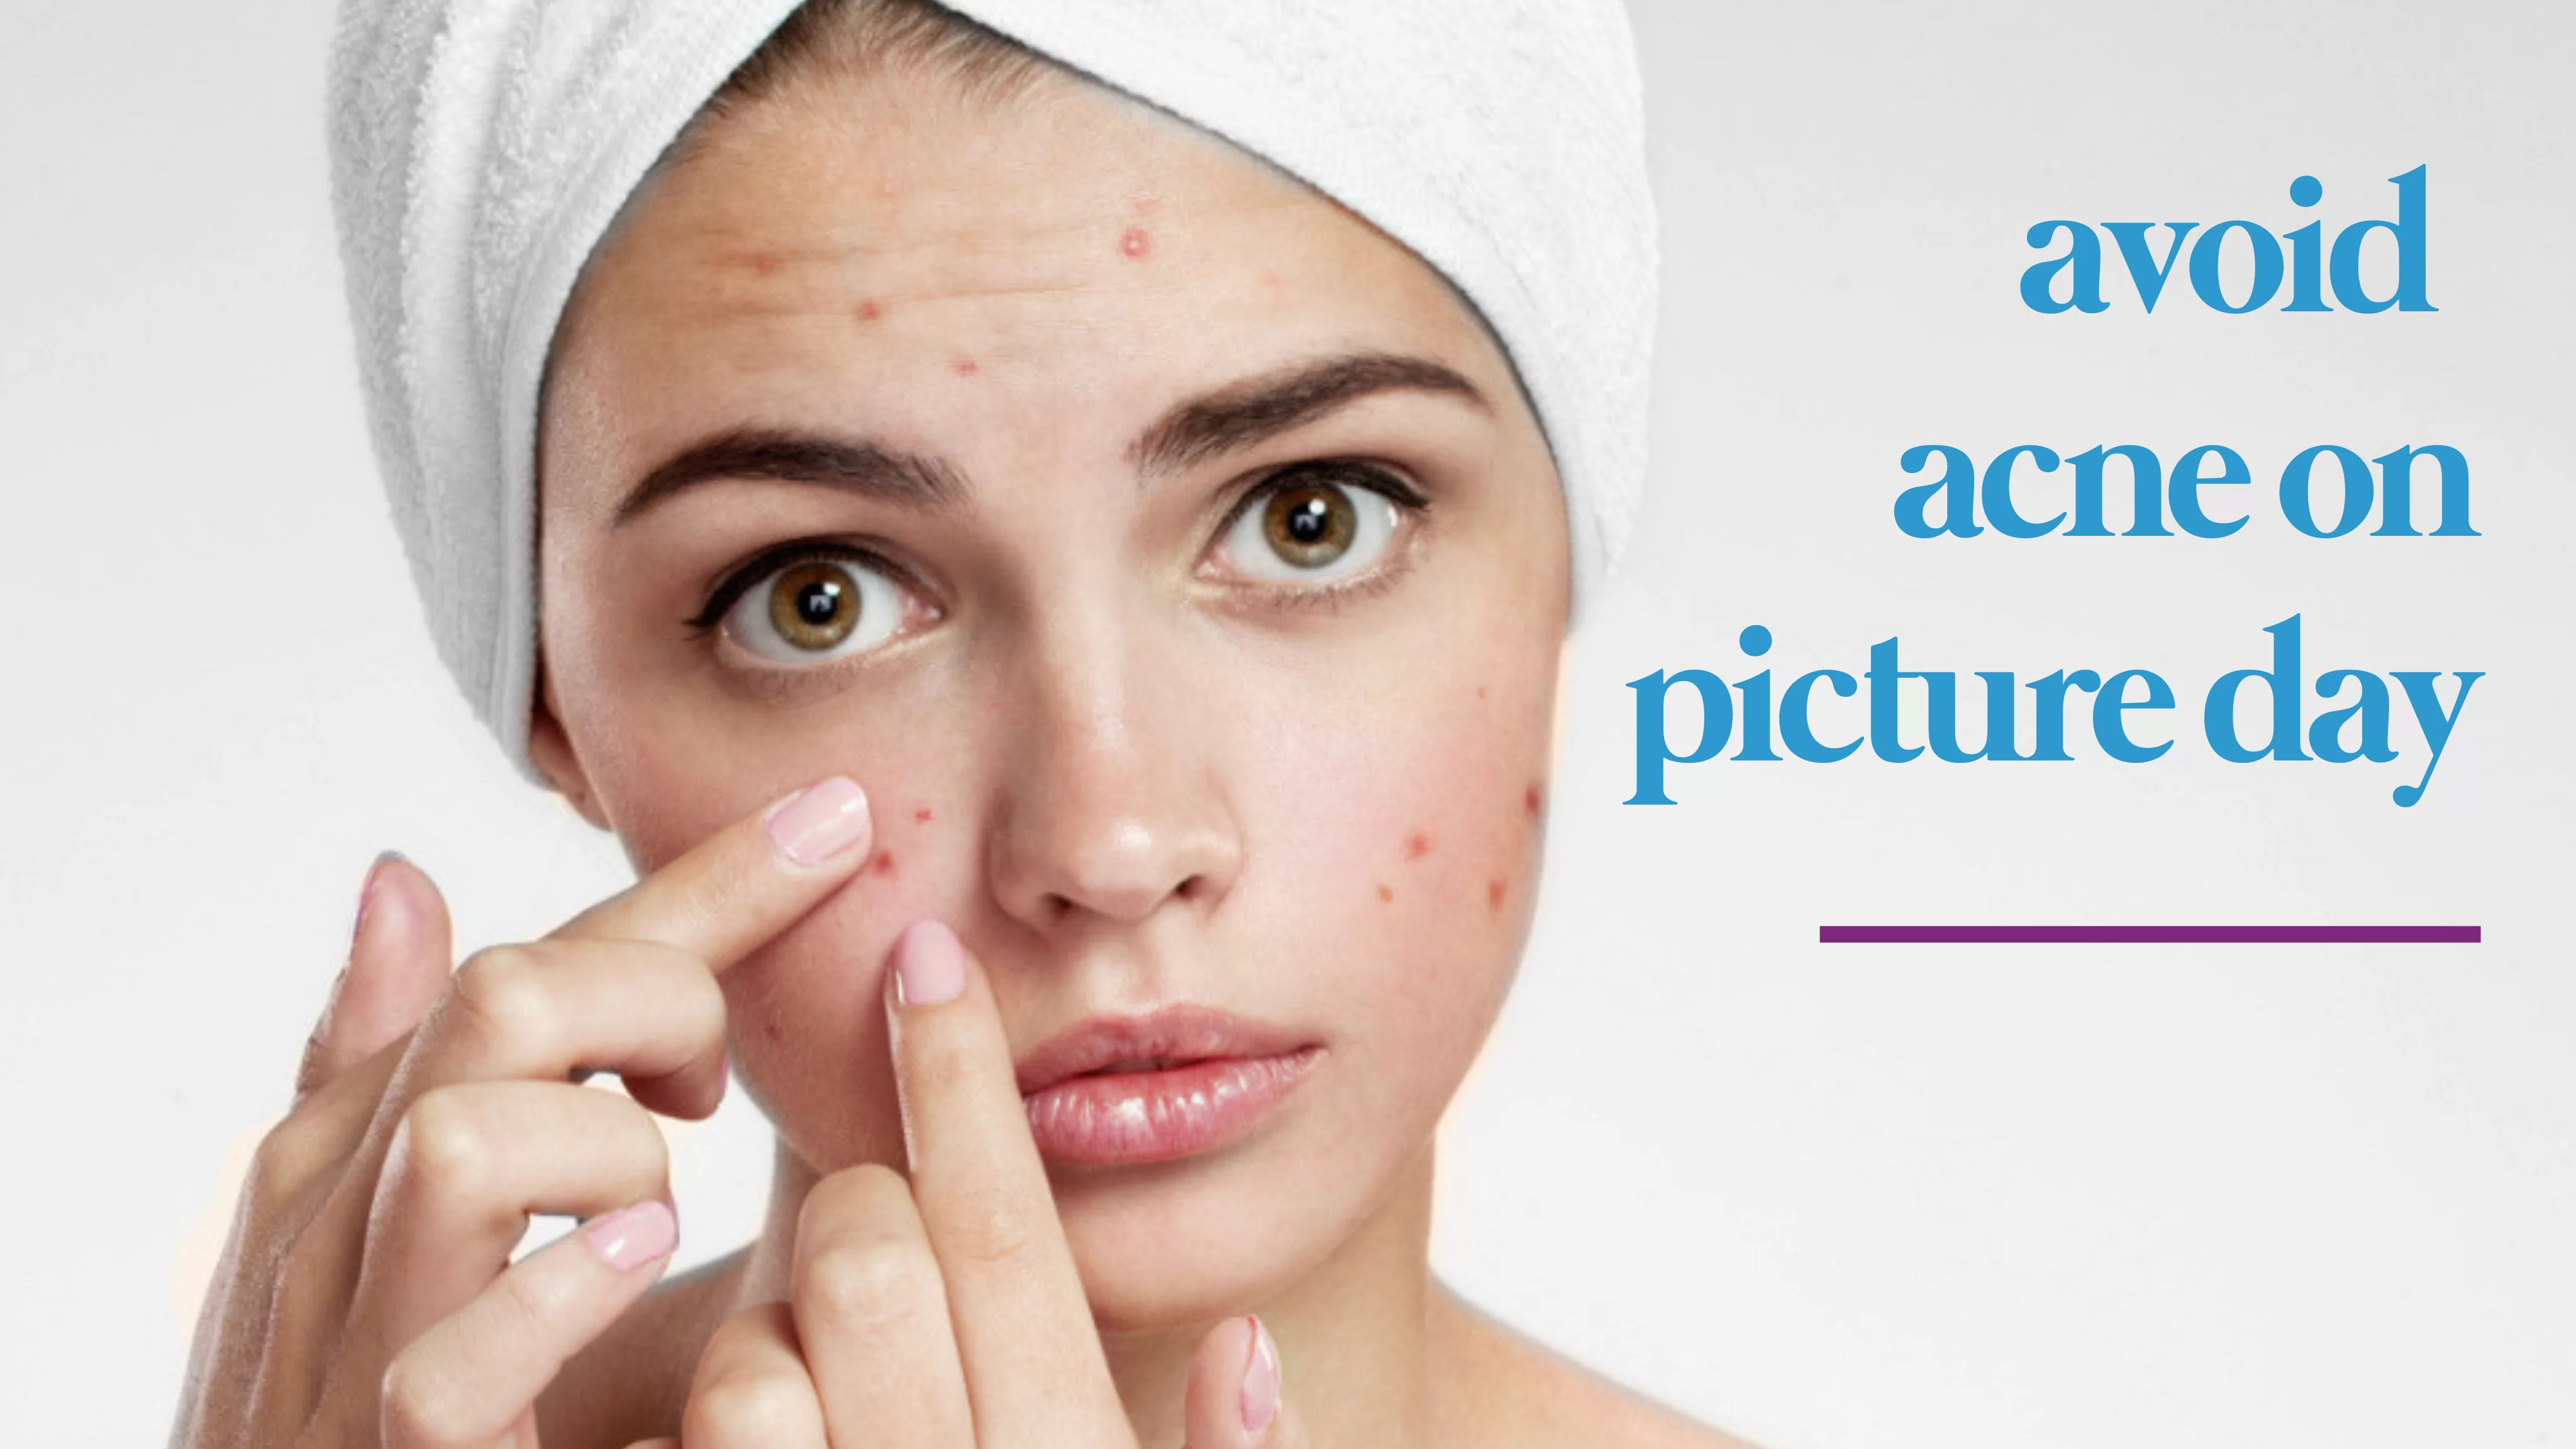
<point x="921" y="816"/>
<point x="1494" y="890"/>
<point x="1386" y="893"/>
<point x="1531" y="800"/>
<point x="867" y="311"/>
<point x="1135" y="242"/>
<point x="882" y="863"/>
<point x="1417" y="845"/>
<point x="962" y="366"/>
<point x="769" y="1029"/>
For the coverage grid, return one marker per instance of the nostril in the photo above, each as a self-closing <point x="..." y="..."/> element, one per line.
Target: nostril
<point x="1190" y="889"/>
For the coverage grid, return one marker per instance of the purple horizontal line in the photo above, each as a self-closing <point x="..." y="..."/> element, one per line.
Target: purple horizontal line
<point x="2147" y="935"/>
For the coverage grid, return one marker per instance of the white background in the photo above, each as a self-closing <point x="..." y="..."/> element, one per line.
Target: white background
<point x="1831" y="1197"/>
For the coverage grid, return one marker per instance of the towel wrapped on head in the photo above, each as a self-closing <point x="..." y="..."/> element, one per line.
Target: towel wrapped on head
<point x="481" y="148"/>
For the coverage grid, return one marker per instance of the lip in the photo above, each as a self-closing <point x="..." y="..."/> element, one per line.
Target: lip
<point x="1122" y="1090"/>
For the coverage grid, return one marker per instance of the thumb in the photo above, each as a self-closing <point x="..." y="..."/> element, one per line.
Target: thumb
<point x="1234" y="1398"/>
<point x="400" y="955"/>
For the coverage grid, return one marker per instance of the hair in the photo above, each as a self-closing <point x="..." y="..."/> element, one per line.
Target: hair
<point x="842" y="39"/>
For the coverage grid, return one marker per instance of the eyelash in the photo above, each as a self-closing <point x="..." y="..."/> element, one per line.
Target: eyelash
<point x="1350" y="472"/>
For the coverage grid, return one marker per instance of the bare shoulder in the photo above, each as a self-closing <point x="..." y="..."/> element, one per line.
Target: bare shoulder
<point x="1519" y="1394"/>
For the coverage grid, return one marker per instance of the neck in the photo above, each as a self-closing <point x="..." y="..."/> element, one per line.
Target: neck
<point x="1355" y="1332"/>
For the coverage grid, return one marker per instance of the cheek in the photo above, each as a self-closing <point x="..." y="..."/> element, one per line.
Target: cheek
<point x="805" y="1016"/>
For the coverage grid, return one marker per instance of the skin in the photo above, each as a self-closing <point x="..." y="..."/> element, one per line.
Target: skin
<point x="1119" y="753"/>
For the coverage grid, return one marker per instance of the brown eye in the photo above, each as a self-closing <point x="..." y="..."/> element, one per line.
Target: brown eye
<point x="1310" y="527"/>
<point x="813" y="609"/>
<point x="815" y="605"/>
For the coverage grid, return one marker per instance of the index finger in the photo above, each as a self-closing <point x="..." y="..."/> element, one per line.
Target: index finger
<point x="1034" y="1367"/>
<point x="730" y="892"/>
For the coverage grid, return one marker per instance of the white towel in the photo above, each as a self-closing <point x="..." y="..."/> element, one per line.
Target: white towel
<point x="479" y="148"/>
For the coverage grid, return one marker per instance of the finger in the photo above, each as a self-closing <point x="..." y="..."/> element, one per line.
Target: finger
<point x="751" y="1389"/>
<point x="398" y="964"/>
<point x="474" y="1375"/>
<point x="470" y="1165"/>
<point x="1024" y="1332"/>
<point x="747" y="882"/>
<point x="529" y="1012"/>
<point x="873" y="1316"/>
<point x="1234" y="1394"/>
<point x="543" y="1011"/>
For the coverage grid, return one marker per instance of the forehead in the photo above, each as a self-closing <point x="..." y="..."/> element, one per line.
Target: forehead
<point x="892" y="252"/>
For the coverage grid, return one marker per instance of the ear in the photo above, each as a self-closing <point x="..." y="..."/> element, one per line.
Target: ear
<point x="550" y="748"/>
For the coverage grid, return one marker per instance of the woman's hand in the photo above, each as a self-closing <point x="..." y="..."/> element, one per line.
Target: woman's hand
<point x="366" y="1295"/>
<point x="945" y="1312"/>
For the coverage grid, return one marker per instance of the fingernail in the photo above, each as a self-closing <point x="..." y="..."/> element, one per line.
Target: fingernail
<point x="1260" y="1381"/>
<point x="929" y="965"/>
<point x="634" y="1236"/>
<point x="367" y="893"/>
<point x="818" y="823"/>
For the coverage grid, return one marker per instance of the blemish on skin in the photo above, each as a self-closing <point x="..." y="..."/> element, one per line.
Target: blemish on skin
<point x="867" y="312"/>
<point x="962" y="366"/>
<point x="1531" y="800"/>
<point x="1494" y="894"/>
<point x="882" y="863"/>
<point x="764" y="263"/>
<point x="769" y="1029"/>
<point x="1386" y="893"/>
<point x="1135" y="242"/>
<point x="1480" y="691"/>
<point x="921" y="816"/>
<point x="1417" y="845"/>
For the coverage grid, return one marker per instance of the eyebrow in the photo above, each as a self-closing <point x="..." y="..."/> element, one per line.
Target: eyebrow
<point x="1259" y="408"/>
<point x="1233" y="417"/>
<point x="850" y="465"/>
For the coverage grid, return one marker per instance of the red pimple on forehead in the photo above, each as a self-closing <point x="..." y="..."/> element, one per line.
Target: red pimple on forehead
<point x="764" y="263"/>
<point x="1417" y="845"/>
<point x="1135" y="242"/>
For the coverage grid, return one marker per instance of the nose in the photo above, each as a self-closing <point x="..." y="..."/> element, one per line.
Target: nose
<point x="1114" y="805"/>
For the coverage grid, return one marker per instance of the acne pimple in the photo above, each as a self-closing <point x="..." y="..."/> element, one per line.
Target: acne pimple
<point x="764" y="263"/>
<point x="867" y="312"/>
<point x="769" y="1029"/>
<point x="1480" y="691"/>
<point x="1494" y="894"/>
<point x="1417" y="845"/>
<point x="1386" y="893"/>
<point x="1135" y="242"/>
<point x="962" y="366"/>
<point x="921" y="816"/>
<point x="882" y="863"/>
<point x="1531" y="800"/>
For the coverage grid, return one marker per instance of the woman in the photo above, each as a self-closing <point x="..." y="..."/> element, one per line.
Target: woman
<point x="1064" y="618"/>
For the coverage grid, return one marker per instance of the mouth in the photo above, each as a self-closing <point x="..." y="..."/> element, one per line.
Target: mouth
<point x="1120" y="1091"/>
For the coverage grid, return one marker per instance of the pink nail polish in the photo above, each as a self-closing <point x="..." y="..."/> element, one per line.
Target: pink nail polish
<point x="1260" y="1381"/>
<point x="631" y="1237"/>
<point x="929" y="965"/>
<point x="367" y="894"/>
<point x="821" y="822"/>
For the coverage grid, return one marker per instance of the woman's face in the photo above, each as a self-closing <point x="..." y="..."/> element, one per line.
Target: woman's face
<point x="1170" y="555"/>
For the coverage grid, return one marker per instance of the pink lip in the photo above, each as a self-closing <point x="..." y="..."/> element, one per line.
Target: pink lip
<point x="1116" y="1091"/>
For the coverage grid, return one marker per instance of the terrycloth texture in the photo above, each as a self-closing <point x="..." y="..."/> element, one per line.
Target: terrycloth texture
<point x="480" y="148"/>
